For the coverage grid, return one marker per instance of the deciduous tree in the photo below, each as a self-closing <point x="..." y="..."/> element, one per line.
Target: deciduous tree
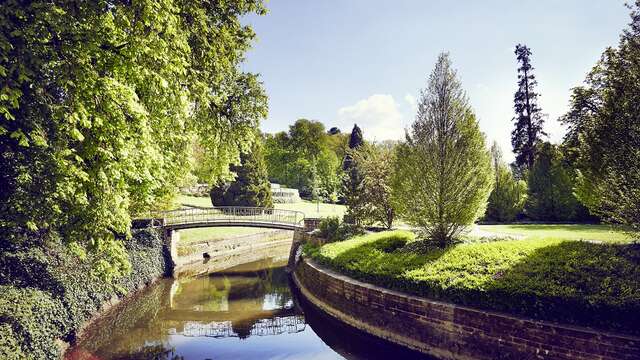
<point x="251" y="185"/>
<point x="443" y="174"/>
<point x="100" y="103"/>
<point x="604" y="131"/>
<point x="508" y="196"/>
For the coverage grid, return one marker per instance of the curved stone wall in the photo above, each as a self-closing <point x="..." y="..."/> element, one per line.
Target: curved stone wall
<point x="449" y="331"/>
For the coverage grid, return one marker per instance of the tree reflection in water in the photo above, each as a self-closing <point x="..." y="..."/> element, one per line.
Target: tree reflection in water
<point x="244" y="312"/>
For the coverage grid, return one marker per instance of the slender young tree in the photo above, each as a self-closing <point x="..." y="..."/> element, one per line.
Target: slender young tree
<point x="529" y="118"/>
<point x="443" y="173"/>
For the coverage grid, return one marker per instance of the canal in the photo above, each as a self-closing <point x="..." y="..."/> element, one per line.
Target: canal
<point x="248" y="311"/>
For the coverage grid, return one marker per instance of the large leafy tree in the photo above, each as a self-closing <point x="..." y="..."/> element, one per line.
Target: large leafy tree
<point x="508" y="196"/>
<point x="303" y="158"/>
<point x="100" y="102"/>
<point x="604" y="131"/>
<point x="443" y="172"/>
<point x="529" y="118"/>
<point x="251" y="185"/>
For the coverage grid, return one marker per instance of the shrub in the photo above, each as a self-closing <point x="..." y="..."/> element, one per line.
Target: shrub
<point x="329" y="226"/>
<point x="35" y="320"/>
<point x="58" y="290"/>
<point x="332" y="229"/>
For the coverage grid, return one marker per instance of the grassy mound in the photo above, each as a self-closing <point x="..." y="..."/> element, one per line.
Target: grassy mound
<point x="584" y="283"/>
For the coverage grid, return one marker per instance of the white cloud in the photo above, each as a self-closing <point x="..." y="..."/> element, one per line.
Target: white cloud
<point x="411" y="100"/>
<point x="378" y="116"/>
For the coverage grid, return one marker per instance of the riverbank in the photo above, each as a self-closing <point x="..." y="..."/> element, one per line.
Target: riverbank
<point x="50" y="295"/>
<point x="574" y="282"/>
<point x="448" y="330"/>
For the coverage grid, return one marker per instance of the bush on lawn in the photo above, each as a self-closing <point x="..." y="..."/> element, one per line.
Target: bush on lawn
<point x="573" y="282"/>
<point x="332" y="229"/>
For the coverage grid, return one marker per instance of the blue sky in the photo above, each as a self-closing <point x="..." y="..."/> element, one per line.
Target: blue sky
<point x="346" y="61"/>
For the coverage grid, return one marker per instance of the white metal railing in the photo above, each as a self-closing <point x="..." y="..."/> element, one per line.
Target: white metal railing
<point x="229" y="214"/>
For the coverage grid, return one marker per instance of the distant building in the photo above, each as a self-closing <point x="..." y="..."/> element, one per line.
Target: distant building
<point x="284" y="195"/>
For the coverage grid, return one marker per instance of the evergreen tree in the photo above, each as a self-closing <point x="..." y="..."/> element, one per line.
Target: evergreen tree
<point x="251" y="186"/>
<point x="352" y="180"/>
<point x="529" y="118"/>
<point x="356" y="140"/>
<point x="443" y="176"/>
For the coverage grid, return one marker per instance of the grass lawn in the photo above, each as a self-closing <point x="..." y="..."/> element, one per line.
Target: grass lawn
<point x="310" y="209"/>
<point x="586" y="283"/>
<point x="604" y="233"/>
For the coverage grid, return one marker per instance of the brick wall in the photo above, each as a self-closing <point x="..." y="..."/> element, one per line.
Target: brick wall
<point x="448" y="331"/>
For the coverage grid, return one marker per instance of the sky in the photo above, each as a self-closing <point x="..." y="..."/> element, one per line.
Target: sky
<point x="364" y="61"/>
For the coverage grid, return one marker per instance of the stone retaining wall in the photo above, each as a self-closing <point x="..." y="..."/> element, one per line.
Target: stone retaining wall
<point x="449" y="331"/>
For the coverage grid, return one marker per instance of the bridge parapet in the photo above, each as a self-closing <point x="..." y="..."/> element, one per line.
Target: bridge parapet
<point x="230" y="216"/>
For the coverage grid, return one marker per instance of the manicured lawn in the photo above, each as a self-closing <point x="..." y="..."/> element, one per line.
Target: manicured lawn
<point x="310" y="209"/>
<point x="604" y="233"/>
<point x="593" y="284"/>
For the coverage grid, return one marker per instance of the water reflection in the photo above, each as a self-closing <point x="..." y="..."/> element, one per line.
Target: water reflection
<point x="244" y="312"/>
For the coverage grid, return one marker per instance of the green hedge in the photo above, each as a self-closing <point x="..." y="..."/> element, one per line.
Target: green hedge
<point x="52" y="292"/>
<point x="573" y="282"/>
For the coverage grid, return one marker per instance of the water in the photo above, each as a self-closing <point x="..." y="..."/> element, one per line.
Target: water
<point x="245" y="312"/>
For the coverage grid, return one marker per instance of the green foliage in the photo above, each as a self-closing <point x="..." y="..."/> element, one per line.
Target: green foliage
<point x="550" y="185"/>
<point x="539" y="278"/>
<point x="508" y="196"/>
<point x="442" y="175"/>
<point x="604" y="131"/>
<point x="9" y="346"/>
<point x="369" y="199"/>
<point x="251" y="186"/>
<point x="529" y="119"/>
<point x="352" y="181"/>
<point x="51" y="292"/>
<point x="332" y="229"/>
<point x="35" y="320"/>
<point x="100" y="103"/>
<point x="304" y="159"/>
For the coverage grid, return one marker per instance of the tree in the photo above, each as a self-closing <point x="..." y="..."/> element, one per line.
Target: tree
<point x="529" y="119"/>
<point x="508" y="196"/>
<point x="100" y="103"/>
<point x="442" y="175"/>
<point x="352" y="180"/>
<point x="550" y="195"/>
<point x="604" y="131"/>
<point x="375" y="164"/>
<point x="304" y="159"/>
<point x="251" y="186"/>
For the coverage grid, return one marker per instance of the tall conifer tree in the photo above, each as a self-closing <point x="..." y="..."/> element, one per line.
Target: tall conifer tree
<point x="529" y="118"/>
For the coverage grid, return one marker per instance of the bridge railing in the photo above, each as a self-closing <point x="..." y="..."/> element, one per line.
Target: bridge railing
<point x="229" y="214"/>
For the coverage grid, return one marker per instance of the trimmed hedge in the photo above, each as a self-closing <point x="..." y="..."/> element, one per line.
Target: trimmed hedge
<point x="51" y="293"/>
<point x="574" y="282"/>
